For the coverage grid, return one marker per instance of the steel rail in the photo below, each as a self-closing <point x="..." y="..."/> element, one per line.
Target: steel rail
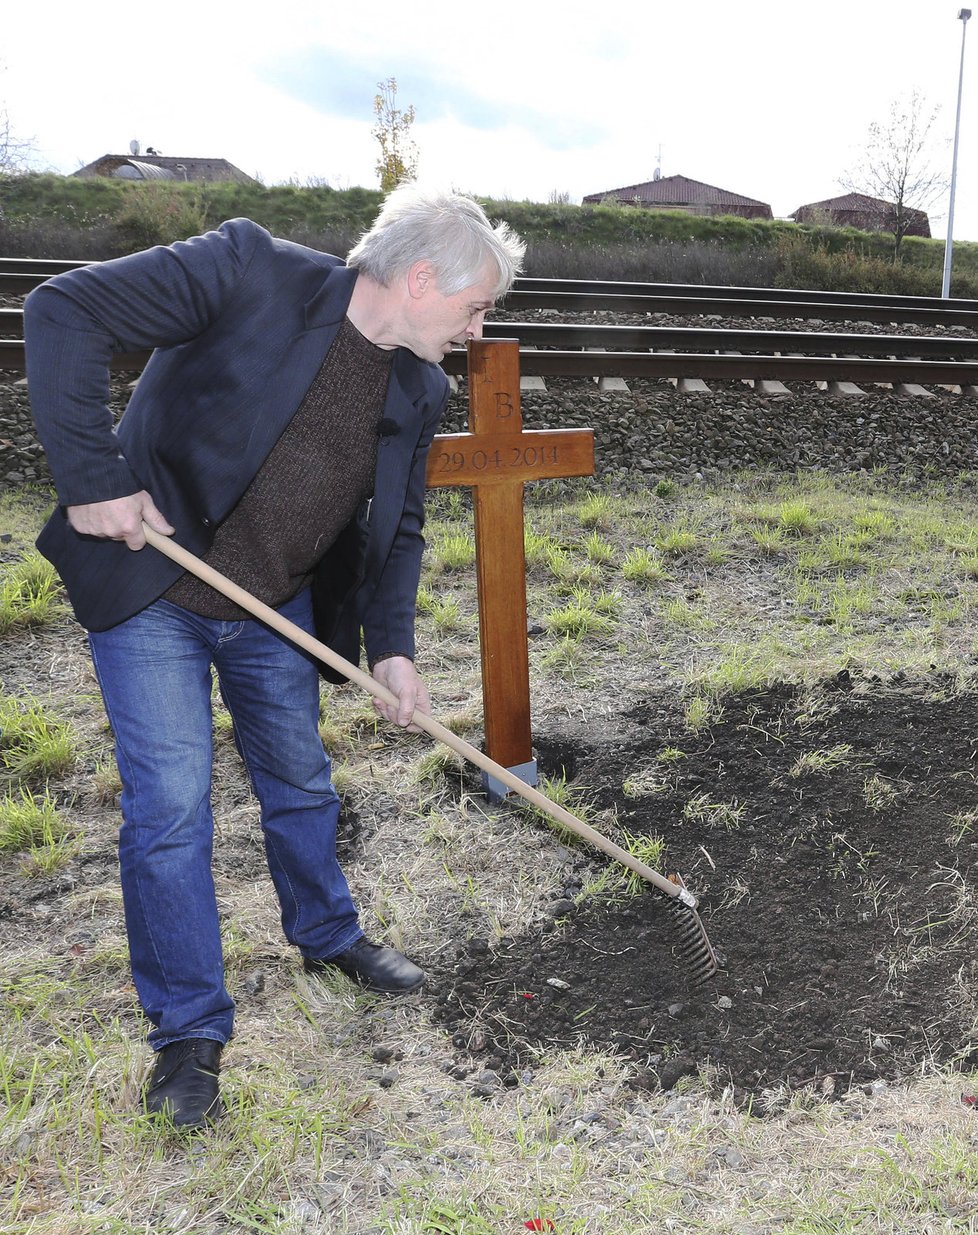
<point x="573" y="302"/>
<point x="665" y="364"/>
<point x="705" y="291"/>
<point x="691" y="338"/>
<point x="737" y="354"/>
<point x="708" y="338"/>
<point x="46" y="266"/>
<point x="20" y="275"/>
<point x="43" y="268"/>
<point x="718" y="367"/>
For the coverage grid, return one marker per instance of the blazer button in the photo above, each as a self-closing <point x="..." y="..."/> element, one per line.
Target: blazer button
<point x="206" y="522"/>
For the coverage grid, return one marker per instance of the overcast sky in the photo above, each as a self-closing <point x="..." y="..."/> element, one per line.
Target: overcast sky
<point x="521" y="100"/>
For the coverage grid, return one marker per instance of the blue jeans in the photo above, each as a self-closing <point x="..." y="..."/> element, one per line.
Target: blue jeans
<point x="155" y="674"/>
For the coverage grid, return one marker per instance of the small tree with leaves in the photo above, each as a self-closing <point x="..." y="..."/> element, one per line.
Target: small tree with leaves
<point x="398" y="154"/>
<point x="896" y="167"/>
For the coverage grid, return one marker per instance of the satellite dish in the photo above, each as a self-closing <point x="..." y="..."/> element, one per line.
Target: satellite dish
<point x="134" y="146"/>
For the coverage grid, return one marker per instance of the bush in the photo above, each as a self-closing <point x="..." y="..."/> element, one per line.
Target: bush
<point x="155" y="214"/>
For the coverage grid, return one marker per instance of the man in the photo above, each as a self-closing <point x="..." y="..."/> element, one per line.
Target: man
<point x="280" y="430"/>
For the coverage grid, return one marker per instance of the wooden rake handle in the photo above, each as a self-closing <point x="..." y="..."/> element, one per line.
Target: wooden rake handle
<point x="169" y="547"/>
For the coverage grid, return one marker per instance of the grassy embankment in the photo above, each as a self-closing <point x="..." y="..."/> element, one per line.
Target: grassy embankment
<point x="57" y="216"/>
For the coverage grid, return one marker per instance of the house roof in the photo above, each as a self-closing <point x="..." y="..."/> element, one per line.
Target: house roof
<point x="853" y="202"/>
<point x="676" y="191"/>
<point x="163" y="167"/>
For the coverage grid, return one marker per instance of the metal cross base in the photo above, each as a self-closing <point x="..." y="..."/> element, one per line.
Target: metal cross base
<point x="496" y="790"/>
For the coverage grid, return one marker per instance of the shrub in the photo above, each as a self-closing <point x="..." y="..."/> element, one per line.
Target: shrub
<point x="154" y="214"/>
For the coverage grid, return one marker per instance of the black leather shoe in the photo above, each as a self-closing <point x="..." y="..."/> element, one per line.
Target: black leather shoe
<point x="184" y="1084"/>
<point x="374" y="966"/>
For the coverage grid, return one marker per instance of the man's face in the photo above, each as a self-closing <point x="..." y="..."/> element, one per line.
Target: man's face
<point x="437" y="321"/>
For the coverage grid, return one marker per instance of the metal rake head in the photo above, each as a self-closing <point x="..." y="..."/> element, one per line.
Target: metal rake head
<point x="694" y="943"/>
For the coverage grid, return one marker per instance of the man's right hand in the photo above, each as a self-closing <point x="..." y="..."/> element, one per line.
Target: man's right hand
<point x="120" y="519"/>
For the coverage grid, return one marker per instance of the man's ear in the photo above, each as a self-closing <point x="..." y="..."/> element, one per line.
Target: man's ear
<point x="420" y="277"/>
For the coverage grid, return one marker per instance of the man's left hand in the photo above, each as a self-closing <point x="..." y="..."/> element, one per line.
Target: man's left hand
<point x="400" y="677"/>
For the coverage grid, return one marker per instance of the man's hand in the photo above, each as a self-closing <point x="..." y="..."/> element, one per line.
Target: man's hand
<point x="400" y="677"/>
<point x="120" y="519"/>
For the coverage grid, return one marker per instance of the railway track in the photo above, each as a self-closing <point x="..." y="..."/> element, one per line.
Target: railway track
<point x="940" y="353"/>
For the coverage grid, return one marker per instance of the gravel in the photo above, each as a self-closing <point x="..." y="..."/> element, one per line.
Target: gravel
<point x="654" y="431"/>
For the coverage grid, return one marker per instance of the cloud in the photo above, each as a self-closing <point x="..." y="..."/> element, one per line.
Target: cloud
<point x="332" y="82"/>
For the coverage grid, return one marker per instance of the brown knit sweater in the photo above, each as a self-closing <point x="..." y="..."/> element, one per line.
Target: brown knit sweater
<point x="308" y="488"/>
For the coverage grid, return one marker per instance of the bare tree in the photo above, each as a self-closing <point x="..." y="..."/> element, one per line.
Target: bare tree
<point x="398" y="154"/>
<point x="15" y="153"/>
<point x="896" y="167"/>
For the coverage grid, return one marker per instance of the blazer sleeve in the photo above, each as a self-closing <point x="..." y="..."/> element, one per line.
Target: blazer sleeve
<point x="389" y="617"/>
<point x="75" y="322"/>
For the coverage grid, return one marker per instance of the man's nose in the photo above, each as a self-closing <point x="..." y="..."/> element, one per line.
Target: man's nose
<point x="474" y="328"/>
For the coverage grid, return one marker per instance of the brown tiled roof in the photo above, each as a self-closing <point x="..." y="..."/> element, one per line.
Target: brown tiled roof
<point x="848" y="201"/>
<point x="675" y="191"/>
<point x="861" y="210"/>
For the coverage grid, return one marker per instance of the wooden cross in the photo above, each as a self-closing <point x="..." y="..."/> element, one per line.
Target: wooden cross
<point x="496" y="457"/>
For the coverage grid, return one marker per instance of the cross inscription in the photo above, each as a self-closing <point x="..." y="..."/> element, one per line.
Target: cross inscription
<point x="495" y="458"/>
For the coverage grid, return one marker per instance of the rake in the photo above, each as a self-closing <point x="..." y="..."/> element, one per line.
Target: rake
<point x="700" y="957"/>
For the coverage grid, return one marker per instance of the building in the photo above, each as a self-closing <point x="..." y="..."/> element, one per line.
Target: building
<point x="867" y="214"/>
<point x="151" y="166"/>
<point x="681" y="193"/>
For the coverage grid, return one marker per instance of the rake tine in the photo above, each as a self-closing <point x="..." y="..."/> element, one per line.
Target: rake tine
<point x="694" y="943"/>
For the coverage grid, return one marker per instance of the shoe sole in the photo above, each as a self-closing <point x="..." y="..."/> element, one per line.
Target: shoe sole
<point x="326" y="969"/>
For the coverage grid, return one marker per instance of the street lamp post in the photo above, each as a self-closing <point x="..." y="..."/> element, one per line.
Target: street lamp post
<point x="963" y="15"/>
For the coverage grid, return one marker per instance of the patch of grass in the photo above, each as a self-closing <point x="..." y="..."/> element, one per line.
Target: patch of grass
<point x="876" y="524"/>
<point x="700" y="711"/>
<point x="644" y="783"/>
<point x="649" y="850"/>
<point x="790" y="518"/>
<point x="538" y="548"/>
<point x="879" y="793"/>
<point x="445" y="611"/>
<point x="598" y="550"/>
<point x="678" y="542"/>
<point x="770" y="541"/>
<point x="452" y="551"/>
<point x="814" y="761"/>
<point x="106" y="782"/>
<point x="700" y="809"/>
<point x="596" y="510"/>
<point x="28" y="822"/>
<point x="679" y="613"/>
<point x="436" y="766"/>
<point x="415" y="1213"/>
<point x="29" y="593"/>
<point x="34" y="745"/>
<point x="961" y="826"/>
<point x="582" y="617"/>
<point x="848" y="600"/>
<point x="738" y="667"/>
<point x="569" y="659"/>
<point x="575" y="799"/>
<point x="643" y="566"/>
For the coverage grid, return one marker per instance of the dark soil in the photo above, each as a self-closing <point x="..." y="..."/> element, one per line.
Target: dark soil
<point x="841" y="903"/>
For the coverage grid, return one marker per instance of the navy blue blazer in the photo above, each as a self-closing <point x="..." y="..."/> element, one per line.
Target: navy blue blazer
<point x="240" y="323"/>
